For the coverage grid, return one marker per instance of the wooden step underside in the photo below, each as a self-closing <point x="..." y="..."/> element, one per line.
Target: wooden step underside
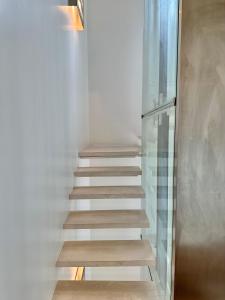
<point x="106" y="254"/>
<point x="107" y="192"/>
<point x="107" y="219"/>
<point x="107" y="171"/>
<point x="112" y="151"/>
<point x="105" y="290"/>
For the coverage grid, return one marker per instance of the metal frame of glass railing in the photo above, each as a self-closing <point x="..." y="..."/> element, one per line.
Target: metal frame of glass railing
<point x="160" y="109"/>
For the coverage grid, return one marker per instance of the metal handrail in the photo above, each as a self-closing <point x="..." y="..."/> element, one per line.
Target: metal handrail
<point x="160" y="108"/>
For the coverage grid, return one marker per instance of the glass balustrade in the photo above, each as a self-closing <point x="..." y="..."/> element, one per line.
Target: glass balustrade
<point x="158" y="138"/>
<point x="160" y="53"/>
<point x="158" y="181"/>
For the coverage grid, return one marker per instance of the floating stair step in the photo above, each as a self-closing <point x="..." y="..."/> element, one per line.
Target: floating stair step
<point x="110" y="151"/>
<point x="105" y="290"/>
<point x="110" y="192"/>
<point x="106" y="254"/>
<point x="107" y="171"/>
<point x="107" y="219"/>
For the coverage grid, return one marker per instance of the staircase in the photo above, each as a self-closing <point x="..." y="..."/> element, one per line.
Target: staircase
<point x="106" y="253"/>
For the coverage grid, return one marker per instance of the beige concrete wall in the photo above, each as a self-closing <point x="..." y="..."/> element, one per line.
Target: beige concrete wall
<point x="200" y="246"/>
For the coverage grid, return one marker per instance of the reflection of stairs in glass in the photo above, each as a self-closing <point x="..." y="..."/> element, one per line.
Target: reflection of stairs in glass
<point x="107" y="253"/>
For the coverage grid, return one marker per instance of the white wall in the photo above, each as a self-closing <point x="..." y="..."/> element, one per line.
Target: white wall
<point x="115" y="38"/>
<point x="43" y="122"/>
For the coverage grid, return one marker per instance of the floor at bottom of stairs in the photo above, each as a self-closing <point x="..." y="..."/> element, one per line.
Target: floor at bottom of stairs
<point x="105" y="290"/>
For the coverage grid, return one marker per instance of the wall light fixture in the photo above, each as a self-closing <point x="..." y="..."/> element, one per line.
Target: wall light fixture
<point x="75" y="11"/>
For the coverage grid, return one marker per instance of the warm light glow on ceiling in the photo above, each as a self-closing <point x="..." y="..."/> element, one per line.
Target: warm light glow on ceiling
<point x="75" y="20"/>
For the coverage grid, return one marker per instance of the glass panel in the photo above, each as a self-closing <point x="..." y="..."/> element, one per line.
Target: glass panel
<point x="159" y="88"/>
<point x="151" y="56"/>
<point x="160" y="53"/>
<point x="158" y="165"/>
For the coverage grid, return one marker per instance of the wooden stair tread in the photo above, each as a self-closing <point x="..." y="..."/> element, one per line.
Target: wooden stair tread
<point x="106" y="253"/>
<point x="110" y="151"/>
<point x="110" y="192"/>
<point x="107" y="171"/>
<point x="107" y="219"/>
<point x="105" y="290"/>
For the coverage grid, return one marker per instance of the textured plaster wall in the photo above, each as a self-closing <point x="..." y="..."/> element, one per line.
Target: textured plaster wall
<point x="200" y="255"/>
